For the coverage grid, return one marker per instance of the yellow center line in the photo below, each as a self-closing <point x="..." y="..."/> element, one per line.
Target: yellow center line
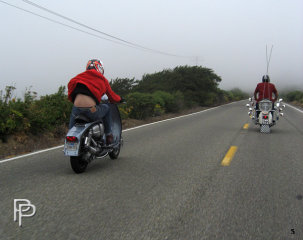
<point x="229" y="156"/>
<point x="246" y="126"/>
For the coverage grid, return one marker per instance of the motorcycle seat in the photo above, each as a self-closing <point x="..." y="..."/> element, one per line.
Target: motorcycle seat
<point x="82" y="119"/>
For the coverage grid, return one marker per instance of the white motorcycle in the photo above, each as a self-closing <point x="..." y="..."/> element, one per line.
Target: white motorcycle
<point x="85" y="141"/>
<point x="267" y="114"/>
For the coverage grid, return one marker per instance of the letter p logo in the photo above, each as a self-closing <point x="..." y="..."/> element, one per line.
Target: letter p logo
<point x="21" y="207"/>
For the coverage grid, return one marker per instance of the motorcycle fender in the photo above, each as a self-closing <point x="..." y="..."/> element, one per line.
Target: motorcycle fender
<point x="73" y="148"/>
<point x="263" y="121"/>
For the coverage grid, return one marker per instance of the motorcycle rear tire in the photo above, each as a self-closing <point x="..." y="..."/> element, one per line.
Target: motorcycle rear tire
<point x="78" y="164"/>
<point x="264" y="128"/>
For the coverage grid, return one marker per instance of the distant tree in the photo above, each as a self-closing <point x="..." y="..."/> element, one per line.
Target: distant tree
<point x="197" y="83"/>
<point x="123" y="86"/>
<point x="238" y="94"/>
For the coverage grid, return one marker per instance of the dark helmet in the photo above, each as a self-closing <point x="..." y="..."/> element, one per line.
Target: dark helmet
<point x="95" y="64"/>
<point x="265" y="78"/>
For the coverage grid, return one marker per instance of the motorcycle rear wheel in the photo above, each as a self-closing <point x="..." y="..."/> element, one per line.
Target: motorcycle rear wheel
<point x="78" y="164"/>
<point x="264" y="128"/>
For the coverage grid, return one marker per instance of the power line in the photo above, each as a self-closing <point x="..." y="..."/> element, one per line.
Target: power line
<point x="76" y="22"/>
<point x="107" y="39"/>
<point x="63" y="24"/>
<point x="103" y="33"/>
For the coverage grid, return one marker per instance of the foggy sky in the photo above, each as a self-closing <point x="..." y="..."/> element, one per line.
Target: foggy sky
<point x="228" y="36"/>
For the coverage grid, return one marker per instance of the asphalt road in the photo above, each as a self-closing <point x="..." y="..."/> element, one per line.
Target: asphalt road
<point x="168" y="183"/>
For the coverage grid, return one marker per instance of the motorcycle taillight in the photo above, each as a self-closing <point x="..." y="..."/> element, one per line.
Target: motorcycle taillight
<point x="71" y="139"/>
<point x="265" y="117"/>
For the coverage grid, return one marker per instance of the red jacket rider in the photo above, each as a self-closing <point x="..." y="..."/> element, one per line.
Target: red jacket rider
<point x="85" y="91"/>
<point x="96" y="83"/>
<point x="265" y="90"/>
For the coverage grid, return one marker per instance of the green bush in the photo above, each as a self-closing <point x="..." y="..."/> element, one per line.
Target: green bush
<point x="166" y="100"/>
<point x="141" y="105"/>
<point x="32" y="115"/>
<point x="124" y="112"/>
<point x="50" y="111"/>
<point x="158" y="110"/>
<point x="11" y="119"/>
<point x="179" y="103"/>
<point x="237" y="94"/>
<point x="294" y="96"/>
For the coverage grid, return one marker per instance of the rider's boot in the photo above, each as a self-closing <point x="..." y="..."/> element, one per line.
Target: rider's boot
<point x="109" y="139"/>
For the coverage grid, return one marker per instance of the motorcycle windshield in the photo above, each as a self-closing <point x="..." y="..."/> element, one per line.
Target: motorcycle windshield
<point x="116" y="122"/>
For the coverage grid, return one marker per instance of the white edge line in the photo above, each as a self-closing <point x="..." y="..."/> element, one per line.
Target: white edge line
<point x="30" y="154"/>
<point x="294" y="107"/>
<point x="128" y="129"/>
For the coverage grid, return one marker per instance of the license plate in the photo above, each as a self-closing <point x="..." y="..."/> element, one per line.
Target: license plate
<point x="71" y="146"/>
<point x="265" y="121"/>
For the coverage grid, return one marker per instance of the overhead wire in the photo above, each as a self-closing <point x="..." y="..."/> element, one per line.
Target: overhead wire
<point x="103" y="33"/>
<point x="63" y="24"/>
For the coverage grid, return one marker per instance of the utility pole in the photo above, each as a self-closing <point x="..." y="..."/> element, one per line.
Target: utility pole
<point x="197" y="59"/>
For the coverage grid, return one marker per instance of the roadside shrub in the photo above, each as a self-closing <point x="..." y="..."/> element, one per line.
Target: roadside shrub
<point x="158" y="110"/>
<point x="237" y="94"/>
<point x="32" y="115"/>
<point x="211" y="98"/>
<point x="294" y="96"/>
<point x="10" y="118"/>
<point x="50" y="111"/>
<point x="141" y="105"/>
<point x="167" y="101"/>
<point x="179" y="103"/>
<point x="124" y="112"/>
